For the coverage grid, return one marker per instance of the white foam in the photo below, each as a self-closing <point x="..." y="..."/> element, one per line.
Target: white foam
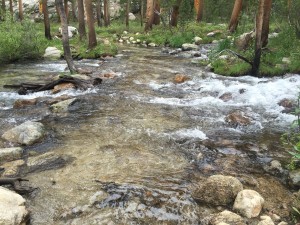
<point x="189" y="133"/>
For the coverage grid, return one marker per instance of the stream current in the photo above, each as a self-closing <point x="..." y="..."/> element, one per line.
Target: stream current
<point x="138" y="144"/>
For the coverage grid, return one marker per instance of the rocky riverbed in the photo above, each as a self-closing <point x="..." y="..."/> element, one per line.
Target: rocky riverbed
<point x="160" y="141"/>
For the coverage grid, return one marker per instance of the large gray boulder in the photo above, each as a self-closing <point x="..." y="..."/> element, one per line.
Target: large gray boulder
<point x="27" y="133"/>
<point x="218" y="190"/>
<point x="12" y="208"/>
<point x="52" y="53"/>
<point x="248" y="203"/>
<point x="10" y="154"/>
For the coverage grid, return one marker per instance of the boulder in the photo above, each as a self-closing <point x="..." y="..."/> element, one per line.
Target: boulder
<point x="27" y="133"/>
<point x="10" y="154"/>
<point x="198" y="40"/>
<point x="63" y="106"/>
<point x="294" y="177"/>
<point x="248" y="203"/>
<point x="62" y="87"/>
<point x="218" y="190"/>
<point x="71" y="31"/>
<point x="21" y="103"/>
<point x="12" y="208"/>
<point x="227" y="217"/>
<point x="52" y="53"/>
<point x="266" y="220"/>
<point x="131" y="16"/>
<point x="243" y="41"/>
<point x="188" y="47"/>
<point x="237" y="118"/>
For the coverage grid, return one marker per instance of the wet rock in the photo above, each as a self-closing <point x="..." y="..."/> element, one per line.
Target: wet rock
<point x="294" y="177"/>
<point x="227" y="217"/>
<point x="226" y="97"/>
<point x="12" y="208"/>
<point x="63" y="106"/>
<point x="188" y="47"/>
<point x="238" y="118"/>
<point x="21" y="103"/>
<point x="47" y="161"/>
<point x="218" y="190"/>
<point x="52" y="53"/>
<point x="248" y="203"/>
<point x="289" y="105"/>
<point x="180" y="78"/>
<point x="27" y="133"/>
<point x="266" y="220"/>
<point x="198" y="40"/>
<point x="61" y="87"/>
<point x="12" y="169"/>
<point x="10" y="154"/>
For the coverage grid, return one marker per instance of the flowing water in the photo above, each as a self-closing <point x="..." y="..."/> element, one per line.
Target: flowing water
<point x="138" y="144"/>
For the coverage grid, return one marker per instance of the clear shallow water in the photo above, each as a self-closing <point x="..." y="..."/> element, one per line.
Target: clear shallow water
<point x="140" y="143"/>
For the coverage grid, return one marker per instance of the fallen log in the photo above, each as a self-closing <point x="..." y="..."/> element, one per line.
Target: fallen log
<point x="16" y="184"/>
<point x="25" y="88"/>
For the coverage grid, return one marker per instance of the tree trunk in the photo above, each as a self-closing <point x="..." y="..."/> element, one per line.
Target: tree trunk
<point x="11" y="9"/>
<point x="127" y="14"/>
<point x="266" y="19"/>
<point x="66" y="10"/>
<point x="235" y="15"/>
<point x="106" y="13"/>
<point x="58" y="15"/>
<point x="73" y="5"/>
<point x="156" y="16"/>
<point x="149" y="15"/>
<point x="46" y="20"/>
<point x="81" y="23"/>
<point x="65" y="36"/>
<point x="264" y="8"/>
<point x="90" y="24"/>
<point x="142" y="12"/>
<point x="175" y="13"/>
<point x="21" y="16"/>
<point x="199" y="6"/>
<point x="99" y="12"/>
<point x="3" y="6"/>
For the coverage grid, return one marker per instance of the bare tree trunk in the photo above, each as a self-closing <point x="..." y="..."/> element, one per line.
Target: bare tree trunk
<point x="149" y="15"/>
<point x="81" y="23"/>
<point x="73" y="5"/>
<point x="235" y="15"/>
<point x="3" y="10"/>
<point x="90" y="23"/>
<point x="66" y="10"/>
<point x="127" y="14"/>
<point x="199" y="6"/>
<point x="65" y="36"/>
<point x="266" y="19"/>
<point x="156" y="16"/>
<point x="21" y="16"/>
<point x="142" y="12"/>
<point x="58" y="15"/>
<point x="99" y="12"/>
<point x="11" y="9"/>
<point x="46" y="20"/>
<point x="175" y="13"/>
<point x="106" y="13"/>
<point x="264" y="8"/>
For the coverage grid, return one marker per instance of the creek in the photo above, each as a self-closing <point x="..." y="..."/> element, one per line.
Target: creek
<point x="139" y="143"/>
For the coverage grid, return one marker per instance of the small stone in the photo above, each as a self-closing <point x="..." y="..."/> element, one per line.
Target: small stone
<point x="294" y="177"/>
<point x="63" y="106"/>
<point x="198" y="40"/>
<point x="248" y="203"/>
<point x="283" y="223"/>
<point x="152" y="44"/>
<point x="238" y="118"/>
<point x="61" y="87"/>
<point x="131" y="38"/>
<point x="180" y="78"/>
<point x="189" y="47"/>
<point x="226" y="97"/>
<point x="266" y="220"/>
<point x="12" y="169"/>
<point x="211" y="34"/>
<point x="227" y="217"/>
<point x="125" y="32"/>
<point x="224" y="57"/>
<point x="275" y="217"/>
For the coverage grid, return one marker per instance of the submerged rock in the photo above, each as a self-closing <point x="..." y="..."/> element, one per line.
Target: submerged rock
<point x="12" y="208"/>
<point x="27" y="133"/>
<point x="63" y="106"/>
<point x="218" y="190"/>
<point x="10" y="154"/>
<point x="249" y="203"/>
<point x="237" y="118"/>
<point x="227" y="217"/>
<point x="180" y="78"/>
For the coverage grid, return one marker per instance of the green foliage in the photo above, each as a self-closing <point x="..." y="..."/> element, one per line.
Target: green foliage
<point x="291" y="139"/>
<point x="19" y="41"/>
